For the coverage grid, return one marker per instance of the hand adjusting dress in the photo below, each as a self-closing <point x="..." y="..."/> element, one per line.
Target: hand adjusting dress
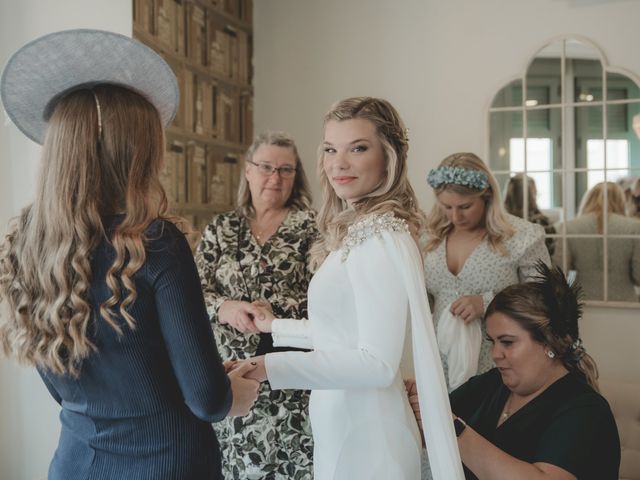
<point x="364" y="302"/>
<point x="485" y="273"/>
<point x="568" y="425"/>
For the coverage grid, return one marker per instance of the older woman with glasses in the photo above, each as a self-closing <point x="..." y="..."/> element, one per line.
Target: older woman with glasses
<point x="257" y="255"/>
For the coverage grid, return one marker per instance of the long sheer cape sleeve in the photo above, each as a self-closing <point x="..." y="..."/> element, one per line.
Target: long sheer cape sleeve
<point x="437" y="425"/>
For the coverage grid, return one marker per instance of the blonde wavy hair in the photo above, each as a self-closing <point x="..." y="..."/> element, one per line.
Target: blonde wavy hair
<point x="496" y="223"/>
<point x="593" y="202"/>
<point x="300" y="197"/>
<point x="394" y="194"/>
<point x="45" y="259"/>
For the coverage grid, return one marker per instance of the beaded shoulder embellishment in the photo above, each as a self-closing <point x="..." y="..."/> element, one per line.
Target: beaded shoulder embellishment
<point x="370" y="226"/>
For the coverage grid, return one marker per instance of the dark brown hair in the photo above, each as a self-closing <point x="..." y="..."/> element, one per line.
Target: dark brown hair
<point x="549" y="309"/>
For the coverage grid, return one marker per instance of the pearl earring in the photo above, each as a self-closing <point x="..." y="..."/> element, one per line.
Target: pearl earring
<point x="550" y="354"/>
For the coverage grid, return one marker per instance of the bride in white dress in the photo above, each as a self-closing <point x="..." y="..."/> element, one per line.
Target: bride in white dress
<point x="368" y="312"/>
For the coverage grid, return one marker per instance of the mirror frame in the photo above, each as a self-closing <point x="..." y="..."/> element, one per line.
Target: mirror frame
<point x="567" y="149"/>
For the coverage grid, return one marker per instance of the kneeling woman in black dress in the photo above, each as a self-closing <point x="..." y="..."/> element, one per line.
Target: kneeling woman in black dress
<point x="538" y="414"/>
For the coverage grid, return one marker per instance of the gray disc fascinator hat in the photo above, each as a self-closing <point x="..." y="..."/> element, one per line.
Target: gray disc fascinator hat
<point x="48" y="68"/>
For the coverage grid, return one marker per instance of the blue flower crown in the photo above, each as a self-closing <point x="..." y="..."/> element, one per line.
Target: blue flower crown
<point x="458" y="176"/>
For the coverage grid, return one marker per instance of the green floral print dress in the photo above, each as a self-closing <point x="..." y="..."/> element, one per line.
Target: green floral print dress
<point x="273" y="442"/>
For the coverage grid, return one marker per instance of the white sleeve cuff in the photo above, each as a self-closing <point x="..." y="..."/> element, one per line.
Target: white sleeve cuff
<point x="288" y="332"/>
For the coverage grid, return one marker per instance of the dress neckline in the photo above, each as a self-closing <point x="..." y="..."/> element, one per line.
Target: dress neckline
<point x="254" y="240"/>
<point x="506" y="392"/>
<point x="466" y="262"/>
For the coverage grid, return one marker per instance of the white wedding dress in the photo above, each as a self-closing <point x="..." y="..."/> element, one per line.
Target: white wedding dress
<point x="367" y="311"/>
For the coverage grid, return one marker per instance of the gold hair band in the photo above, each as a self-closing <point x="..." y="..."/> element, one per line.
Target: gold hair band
<point x="99" y="114"/>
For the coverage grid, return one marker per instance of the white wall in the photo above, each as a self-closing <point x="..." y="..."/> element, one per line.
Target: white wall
<point x="29" y="417"/>
<point x="440" y="63"/>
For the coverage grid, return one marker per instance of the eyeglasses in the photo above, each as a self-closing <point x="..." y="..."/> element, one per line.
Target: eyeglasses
<point x="286" y="171"/>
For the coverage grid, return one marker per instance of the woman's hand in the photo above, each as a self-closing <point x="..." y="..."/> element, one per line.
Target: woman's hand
<point x="230" y="365"/>
<point x="258" y="371"/>
<point x="468" y="308"/>
<point x="240" y="315"/>
<point x="263" y="319"/>
<point x="262" y="304"/>
<point x="412" y="393"/>
<point x="245" y="389"/>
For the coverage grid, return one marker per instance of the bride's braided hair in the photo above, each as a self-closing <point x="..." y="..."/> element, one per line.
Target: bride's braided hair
<point x="394" y="194"/>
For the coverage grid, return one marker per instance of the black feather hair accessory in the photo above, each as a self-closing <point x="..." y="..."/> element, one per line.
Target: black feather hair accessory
<point x="563" y="301"/>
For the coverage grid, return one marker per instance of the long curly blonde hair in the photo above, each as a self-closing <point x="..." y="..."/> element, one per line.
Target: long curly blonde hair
<point x="394" y="194"/>
<point x="496" y="223"/>
<point x="45" y="259"/>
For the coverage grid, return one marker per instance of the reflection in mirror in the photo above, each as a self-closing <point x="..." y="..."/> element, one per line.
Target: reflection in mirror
<point x="579" y="183"/>
<point x="630" y="185"/>
<point x="623" y="255"/>
<point x="633" y="135"/>
<point x="532" y="194"/>
<point x="623" y="140"/>
<point x="624" y="282"/>
<point x="621" y="87"/>
<point x="602" y="216"/>
<point x="509" y="96"/>
<point x="584" y="72"/>
<point x="544" y="147"/>
<point x="578" y="50"/>
<point x="536" y="197"/>
<point x="585" y="257"/>
<point x="589" y="137"/>
<point x="544" y="76"/>
<point x="623" y="234"/>
<point x="573" y="137"/>
<point x="503" y="180"/>
<point x="506" y="128"/>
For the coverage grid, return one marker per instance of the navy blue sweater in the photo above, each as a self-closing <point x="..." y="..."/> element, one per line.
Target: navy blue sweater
<point x="142" y="405"/>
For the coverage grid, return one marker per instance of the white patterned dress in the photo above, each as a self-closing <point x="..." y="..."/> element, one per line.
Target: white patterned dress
<point x="485" y="273"/>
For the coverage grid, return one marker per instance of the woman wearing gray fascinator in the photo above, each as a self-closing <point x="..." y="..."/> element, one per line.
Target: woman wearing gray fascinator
<point x="99" y="289"/>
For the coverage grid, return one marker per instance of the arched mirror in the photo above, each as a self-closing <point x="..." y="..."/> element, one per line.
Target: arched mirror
<point x="564" y="144"/>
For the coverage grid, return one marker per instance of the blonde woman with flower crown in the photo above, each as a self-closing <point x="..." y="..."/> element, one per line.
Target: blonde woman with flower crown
<point x="367" y="304"/>
<point x="474" y="248"/>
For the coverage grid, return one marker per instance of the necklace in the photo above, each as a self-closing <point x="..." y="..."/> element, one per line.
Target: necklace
<point x="263" y="229"/>
<point x="259" y="233"/>
<point x="262" y="232"/>
<point x="505" y="413"/>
